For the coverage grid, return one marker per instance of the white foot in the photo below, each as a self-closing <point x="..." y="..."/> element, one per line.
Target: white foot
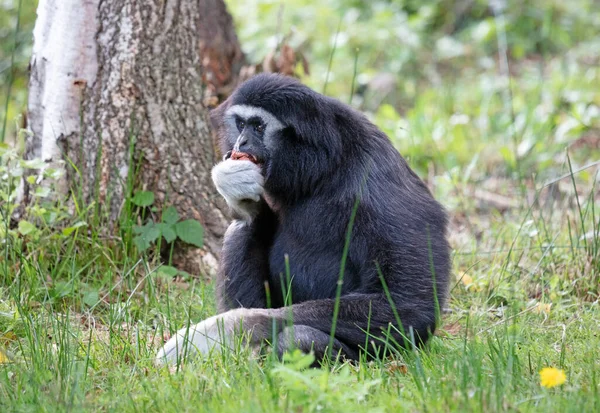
<point x="202" y="338"/>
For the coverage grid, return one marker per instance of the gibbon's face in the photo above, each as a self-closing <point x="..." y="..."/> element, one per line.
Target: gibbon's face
<point x="251" y="133"/>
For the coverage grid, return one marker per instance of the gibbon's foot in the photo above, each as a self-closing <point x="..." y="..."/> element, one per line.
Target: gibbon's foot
<point x="215" y="333"/>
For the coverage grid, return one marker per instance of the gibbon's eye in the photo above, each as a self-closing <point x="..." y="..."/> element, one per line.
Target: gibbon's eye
<point x="260" y="128"/>
<point x="240" y="124"/>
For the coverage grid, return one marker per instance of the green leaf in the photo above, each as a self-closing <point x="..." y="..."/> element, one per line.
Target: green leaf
<point x="140" y="243"/>
<point x="143" y="198"/>
<point x="167" y="231"/>
<point x="53" y="173"/>
<point x="26" y="227"/>
<point x="185" y="275"/>
<point x="33" y="164"/>
<point x="16" y="172"/>
<point x="151" y="233"/>
<point x="91" y="298"/>
<point x="147" y="235"/>
<point x="61" y="289"/>
<point x="168" y="270"/>
<point x="190" y="231"/>
<point x="42" y="191"/>
<point x="69" y="230"/>
<point x="170" y="215"/>
<point x="297" y="360"/>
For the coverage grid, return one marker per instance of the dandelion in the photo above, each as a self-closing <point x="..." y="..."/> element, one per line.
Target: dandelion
<point x="552" y="377"/>
<point x="542" y="308"/>
<point x="468" y="282"/>
<point x="466" y="279"/>
<point x="3" y="358"/>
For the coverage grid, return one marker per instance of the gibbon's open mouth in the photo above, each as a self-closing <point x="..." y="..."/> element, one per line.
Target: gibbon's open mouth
<point x="242" y="156"/>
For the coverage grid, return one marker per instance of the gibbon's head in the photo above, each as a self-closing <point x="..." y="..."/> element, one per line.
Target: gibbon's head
<point x="292" y="132"/>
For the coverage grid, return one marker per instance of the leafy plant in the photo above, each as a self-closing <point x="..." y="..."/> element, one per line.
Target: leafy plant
<point x="170" y="227"/>
<point x="316" y="388"/>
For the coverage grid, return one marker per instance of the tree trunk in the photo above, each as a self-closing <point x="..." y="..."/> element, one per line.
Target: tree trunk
<point x="111" y="75"/>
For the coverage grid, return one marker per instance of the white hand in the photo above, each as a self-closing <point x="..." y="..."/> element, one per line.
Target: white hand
<point x="241" y="184"/>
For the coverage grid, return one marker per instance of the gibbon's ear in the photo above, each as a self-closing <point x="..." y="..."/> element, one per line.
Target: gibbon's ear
<point x="217" y="116"/>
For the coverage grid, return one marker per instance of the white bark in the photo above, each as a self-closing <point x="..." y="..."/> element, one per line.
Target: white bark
<point x="63" y="62"/>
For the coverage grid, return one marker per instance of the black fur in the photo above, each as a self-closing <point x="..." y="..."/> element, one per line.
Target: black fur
<point x="326" y="157"/>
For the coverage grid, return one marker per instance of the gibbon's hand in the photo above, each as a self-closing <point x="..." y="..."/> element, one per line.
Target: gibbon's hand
<point x="241" y="183"/>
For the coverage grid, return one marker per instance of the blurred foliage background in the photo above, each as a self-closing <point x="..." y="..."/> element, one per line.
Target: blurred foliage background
<point x="17" y="18"/>
<point x="501" y="85"/>
<point x="484" y="87"/>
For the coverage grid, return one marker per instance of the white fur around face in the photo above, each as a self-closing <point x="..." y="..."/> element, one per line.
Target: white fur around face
<point x="273" y="125"/>
<point x="240" y="182"/>
<point x="209" y="335"/>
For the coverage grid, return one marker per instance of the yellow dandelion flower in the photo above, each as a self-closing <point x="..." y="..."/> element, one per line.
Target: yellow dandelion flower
<point x="552" y="377"/>
<point x="542" y="308"/>
<point x="466" y="279"/>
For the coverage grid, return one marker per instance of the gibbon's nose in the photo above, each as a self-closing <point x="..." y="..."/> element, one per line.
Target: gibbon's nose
<point x="241" y="143"/>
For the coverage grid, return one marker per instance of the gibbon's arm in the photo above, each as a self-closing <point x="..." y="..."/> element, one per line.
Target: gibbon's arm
<point x="244" y="264"/>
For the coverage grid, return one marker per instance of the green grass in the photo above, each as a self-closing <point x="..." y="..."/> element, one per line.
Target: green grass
<point x="82" y="314"/>
<point x="70" y="353"/>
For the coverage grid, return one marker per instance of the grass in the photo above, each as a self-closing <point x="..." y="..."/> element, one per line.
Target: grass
<point x="512" y="312"/>
<point x="82" y="315"/>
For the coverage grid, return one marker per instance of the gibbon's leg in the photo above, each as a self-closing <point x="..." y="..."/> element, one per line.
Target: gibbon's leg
<point x="357" y="314"/>
<point x="309" y="339"/>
